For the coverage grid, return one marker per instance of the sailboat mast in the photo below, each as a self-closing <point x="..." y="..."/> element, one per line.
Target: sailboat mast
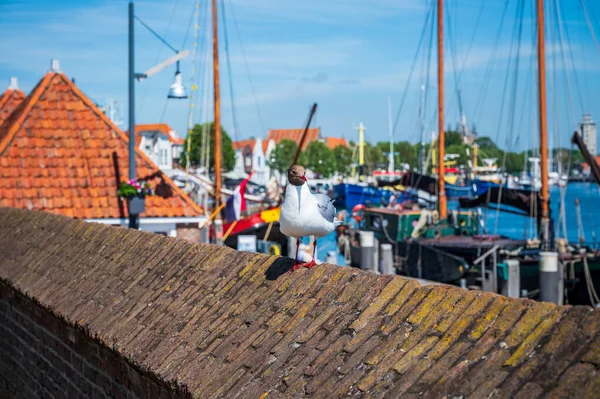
<point x="217" y="122"/>
<point x="391" y="166"/>
<point x="545" y="225"/>
<point x="441" y="189"/>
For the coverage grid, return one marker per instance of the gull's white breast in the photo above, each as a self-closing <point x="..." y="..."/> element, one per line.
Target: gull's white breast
<point x="301" y="216"/>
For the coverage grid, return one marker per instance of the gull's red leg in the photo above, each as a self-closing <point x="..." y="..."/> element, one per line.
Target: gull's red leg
<point x="297" y="263"/>
<point x="313" y="262"/>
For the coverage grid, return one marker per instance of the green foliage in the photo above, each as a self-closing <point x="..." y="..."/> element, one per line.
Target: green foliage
<point x="406" y="153"/>
<point x="343" y="159"/>
<point x="452" y="137"/>
<point x="514" y="162"/>
<point x="319" y="158"/>
<point x="486" y="143"/>
<point x="374" y="157"/>
<point x="134" y="188"/>
<point x="283" y="155"/>
<point x="461" y="150"/>
<point x="227" y="151"/>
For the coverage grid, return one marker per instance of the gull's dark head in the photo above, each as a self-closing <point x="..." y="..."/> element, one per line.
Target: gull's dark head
<point x="296" y="175"/>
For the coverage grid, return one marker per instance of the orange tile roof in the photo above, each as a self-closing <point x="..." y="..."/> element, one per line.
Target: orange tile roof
<point x="238" y="145"/>
<point x="277" y="135"/>
<point x="333" y="142"/>
<point x="9" y="101"/>
<point x="60" y="153"/>
<point x="152" y="127"/>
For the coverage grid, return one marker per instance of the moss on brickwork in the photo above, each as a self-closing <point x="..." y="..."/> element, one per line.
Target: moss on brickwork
<point x="231" y="324"/>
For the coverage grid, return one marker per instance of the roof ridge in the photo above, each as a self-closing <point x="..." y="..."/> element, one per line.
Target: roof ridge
<point x="9" y="92"/>
<point x="34" y="97"/>
<point x="23" y="109"/>
<point x="139" y="152"/>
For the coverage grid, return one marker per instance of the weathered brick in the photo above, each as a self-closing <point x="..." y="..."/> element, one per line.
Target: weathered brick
<point x="215" y="320"/>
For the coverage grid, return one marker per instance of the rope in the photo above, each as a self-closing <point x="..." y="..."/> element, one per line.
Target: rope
<point x="513" y="102"/>
<point x="589" y="24"/>
<point x="564" y="60"/>
<point x="258" y="112"/>
<point x="412" y="68"/>
<point x="455" y="69"/>
<point x="575" y="74"/>
<point x="589" y="283"/>
<point x="490" y="65"/>
<point x="194" y="86"/>
<point x="140" y="106"/>
<point x="229" y="78"/>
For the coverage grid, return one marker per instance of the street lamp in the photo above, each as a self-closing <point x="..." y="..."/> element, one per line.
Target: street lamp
<point x="176" y="91"/>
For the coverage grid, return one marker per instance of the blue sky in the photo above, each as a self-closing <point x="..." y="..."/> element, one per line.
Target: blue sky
<point x="346" y="55"/>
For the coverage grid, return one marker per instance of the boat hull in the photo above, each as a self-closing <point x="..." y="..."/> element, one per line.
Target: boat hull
<point x="347" y="196"/>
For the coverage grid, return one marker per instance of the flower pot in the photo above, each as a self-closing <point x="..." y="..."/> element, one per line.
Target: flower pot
<point x="136" y="205"/>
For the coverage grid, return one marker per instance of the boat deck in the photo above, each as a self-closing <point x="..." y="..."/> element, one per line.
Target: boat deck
<point x="472" y="242"/>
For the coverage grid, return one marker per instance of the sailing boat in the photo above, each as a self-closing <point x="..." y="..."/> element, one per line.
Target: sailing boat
<point x="447" y="246"/>
<point x="359" y="190"/>
<point x="262" y="225"/>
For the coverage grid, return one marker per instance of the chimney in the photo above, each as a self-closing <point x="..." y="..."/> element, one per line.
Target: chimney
<point x="55" y="65"/>
<point x="14" y="84"/>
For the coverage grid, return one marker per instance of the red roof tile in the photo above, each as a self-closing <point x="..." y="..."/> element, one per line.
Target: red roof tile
<point x="9" y="101"/>
<point x="152" y="127"/>
<point x="333" y="142"/>
<point x="61" y="154"/>
<point x="277" y="135"/>
<point x="238" y="145"/>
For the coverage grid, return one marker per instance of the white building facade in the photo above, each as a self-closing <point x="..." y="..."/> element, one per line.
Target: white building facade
<point x="589" y="134"/>
<point x="160" y="143"/>
<point x="252" y="156"/>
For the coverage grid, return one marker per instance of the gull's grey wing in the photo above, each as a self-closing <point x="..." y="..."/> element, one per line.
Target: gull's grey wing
<point x="326" y="206"/>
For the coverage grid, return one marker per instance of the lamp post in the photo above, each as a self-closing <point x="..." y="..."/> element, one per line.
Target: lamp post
<point x="176" y="91"/>
<point x="133" y="218"/>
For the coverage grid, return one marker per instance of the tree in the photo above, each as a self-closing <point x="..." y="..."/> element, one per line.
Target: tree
<point x="460" y="150"/>
<point x="319" y="159"/>
<point x="374" y="157"/>
<point x="406" y="153"/>
<point x="283" y="155"/>
<point x="486" y="143"/>
<point x="343" y="159"/>
<point x="227" y="151"/>
<point x="452" y="137"/>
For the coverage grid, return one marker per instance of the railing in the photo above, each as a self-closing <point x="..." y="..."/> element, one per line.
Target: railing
<point x="489" y="284"/>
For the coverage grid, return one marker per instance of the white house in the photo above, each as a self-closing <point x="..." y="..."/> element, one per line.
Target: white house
<point x="160" y="143"/>
<point x="251" y="155"/>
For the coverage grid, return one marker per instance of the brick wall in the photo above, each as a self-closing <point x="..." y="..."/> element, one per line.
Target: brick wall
<point x="189" y="232"/>
<point x="229" y="324"/>
<point x="42" y="355"/>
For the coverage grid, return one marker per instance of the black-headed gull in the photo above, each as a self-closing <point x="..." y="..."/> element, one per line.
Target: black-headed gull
<point x="304" y="213"/>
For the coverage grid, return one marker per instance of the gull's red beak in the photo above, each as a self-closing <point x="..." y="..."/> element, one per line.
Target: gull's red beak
<point x="303" y="178"/>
